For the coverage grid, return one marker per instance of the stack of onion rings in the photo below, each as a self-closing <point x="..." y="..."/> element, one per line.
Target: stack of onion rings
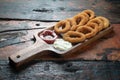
<point x="82" y="26"/>
<point x="98" y="22"/>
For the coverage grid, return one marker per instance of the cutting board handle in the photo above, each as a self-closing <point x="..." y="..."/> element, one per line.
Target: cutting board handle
<point x="28" y="54"/>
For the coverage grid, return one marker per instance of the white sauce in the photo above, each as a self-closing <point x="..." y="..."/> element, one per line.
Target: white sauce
<point x="61" y="44"/>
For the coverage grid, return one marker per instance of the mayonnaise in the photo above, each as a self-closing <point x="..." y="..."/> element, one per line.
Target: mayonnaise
<point x="62" y="45"/>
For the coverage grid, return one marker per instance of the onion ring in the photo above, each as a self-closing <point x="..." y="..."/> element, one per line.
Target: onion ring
<point x="74" y="37"/>
<point x="71" y="21"/>
<point x="85" y="14"/>
<point x="97" y="21"/>
<point x="94" y="26"/>
<point x="74" y="27"/>
<point x="105" y="21"/>
<point x="72" y="24"/>
<point x="62" y="26"/>
<point x="80" y="19"/>
<point x="86" y="30"/>
<point x="90" y="13"/>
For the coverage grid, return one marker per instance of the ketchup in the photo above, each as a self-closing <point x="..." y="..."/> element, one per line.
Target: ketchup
<point x="48" y="36"/>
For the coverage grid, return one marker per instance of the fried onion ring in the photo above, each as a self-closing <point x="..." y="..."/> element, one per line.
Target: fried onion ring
<point x="86" y="30"/>
<point x="94" y="26"/>
<point x="74" y="27"/>
<point x="80" y="19"/>
<point x="72" y="24"/>
<point x="105" y="21"/>
<point x="97" y="21"/>
<point x="74" y="37"/>
<point x="85" y="14"/>
<point x="71" y="21"/>
<point x="90" y="13"/>
<point x="62" y="26"/>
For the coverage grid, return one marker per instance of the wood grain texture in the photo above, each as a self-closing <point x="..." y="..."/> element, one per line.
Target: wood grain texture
<point x="13" y="32"/>
<point x="71" y="70"/>
<point x="55" y="10"/>
<point x="16" y="34"/>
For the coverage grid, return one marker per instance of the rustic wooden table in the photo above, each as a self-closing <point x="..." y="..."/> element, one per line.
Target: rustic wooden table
<point x="20" y="19"/>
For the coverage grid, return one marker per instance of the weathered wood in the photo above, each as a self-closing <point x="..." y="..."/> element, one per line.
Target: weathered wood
<point x="106" y="48"/>
<point x="72" y="70"/>
<point x="17" y="25"/>
<point x="12" y="31"/>
<point x="57" y="9"/>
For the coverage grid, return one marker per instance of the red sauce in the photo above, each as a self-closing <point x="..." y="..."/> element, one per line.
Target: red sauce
<point x="48" y="36"/>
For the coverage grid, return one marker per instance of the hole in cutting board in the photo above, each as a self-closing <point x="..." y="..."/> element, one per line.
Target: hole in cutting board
<point x="18" y="56"/>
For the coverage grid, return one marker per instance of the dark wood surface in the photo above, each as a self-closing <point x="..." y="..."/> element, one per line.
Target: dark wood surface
<point x="55" y="10"/>
<point x="71" y="70"/>
<point x="20" y="19"/>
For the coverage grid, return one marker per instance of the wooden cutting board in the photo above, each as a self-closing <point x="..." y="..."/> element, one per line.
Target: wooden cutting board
<point x="40" y="47"/>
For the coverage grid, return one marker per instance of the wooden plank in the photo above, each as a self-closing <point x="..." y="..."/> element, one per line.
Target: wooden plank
<point x="17" y="25"/>
<point x="57" y="9"/>
<point x="12" y="31"/>
<point x="72" y="70"/>
<point x="105" y="48"/>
